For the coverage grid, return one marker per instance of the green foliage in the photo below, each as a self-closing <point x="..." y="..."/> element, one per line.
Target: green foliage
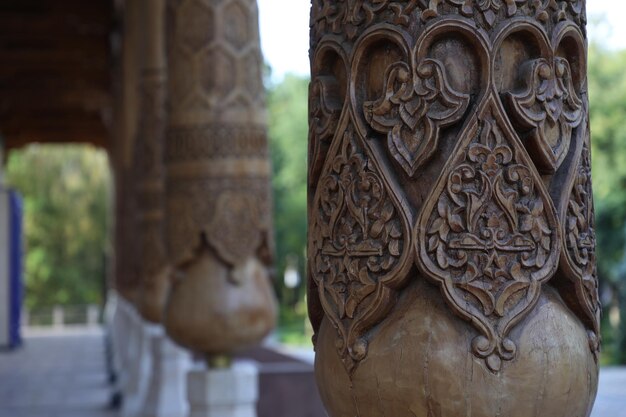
<point x="66" y="200"/>
<point x="607" y="94"/>
<point x="288" y="131"/>
<point x="288" y="140"/>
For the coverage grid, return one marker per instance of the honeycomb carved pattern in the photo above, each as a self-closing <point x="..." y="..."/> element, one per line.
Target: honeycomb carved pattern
<point x="237" y="26"/>
<point x="200" y="22"/>
<point x="217" y="47"/>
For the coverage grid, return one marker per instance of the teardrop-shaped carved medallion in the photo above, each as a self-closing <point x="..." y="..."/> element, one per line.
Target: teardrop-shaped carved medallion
<point x="488" y="233"/>
<point x="359" y="245"/>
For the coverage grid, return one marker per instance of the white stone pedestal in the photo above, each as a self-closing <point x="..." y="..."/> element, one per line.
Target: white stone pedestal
<point x="140" y="366"/>
<point x="231" y="392"/>
<point x="168" y="383"/>
<point x="120" y="328"/>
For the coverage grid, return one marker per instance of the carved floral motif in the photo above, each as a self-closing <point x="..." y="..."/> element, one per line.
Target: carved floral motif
<point x="413" y="108"/>
<point x="358" y="246"/>
<point x="487" y="9"/>
<point x="550" y="106"/>
<point x="489" y="234"/>
<point x="559" y="10"/>
<point x="351" y="17"/>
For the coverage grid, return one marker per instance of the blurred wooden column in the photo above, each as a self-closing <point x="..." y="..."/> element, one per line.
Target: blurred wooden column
<point x="167" y="364"/>
<point x="218" y="178"/>
<point x="149" y="163"/>
<point x="451" y="238"/>
<point x="130" y="344"/>
<point x="125" y="131"/>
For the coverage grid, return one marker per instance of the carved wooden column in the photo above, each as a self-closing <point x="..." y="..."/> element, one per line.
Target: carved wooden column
<point x="126" y="119"/>
<point x="127" y="327"/>
<point x="451" y="241"/>
<point x="167" y="363"/>
<point x="149" y="161"/>
<point x="218" y="173"/>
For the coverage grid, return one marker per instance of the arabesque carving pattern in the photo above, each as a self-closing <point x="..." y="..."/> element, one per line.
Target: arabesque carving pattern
<point x="489" y="235"/>
<point x="358" y="247"/>
<point x="350" y="18"/>
<point x="482" y="103"/>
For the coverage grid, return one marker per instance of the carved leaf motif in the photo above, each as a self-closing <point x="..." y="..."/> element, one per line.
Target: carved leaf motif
<point x="358" y="247"/>
<point x="492" y="238"/>
<point x="413" y="108"/>
<point x="579" y="247"/>
<point x="550" y="106"/>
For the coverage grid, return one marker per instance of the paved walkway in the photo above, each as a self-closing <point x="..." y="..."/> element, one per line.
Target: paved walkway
<point x="63" y="375"/>
<point x="56" y="375"/>
<point x="611" y="400"/>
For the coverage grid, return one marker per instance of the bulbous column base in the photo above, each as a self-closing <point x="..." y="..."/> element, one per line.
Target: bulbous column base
<point x="419" y="364"/>
<point x="216" y="309"/>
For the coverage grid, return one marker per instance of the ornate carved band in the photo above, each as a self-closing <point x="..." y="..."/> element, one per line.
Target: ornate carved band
<point x="459" y="120"/>
<point x="217" y="150"/>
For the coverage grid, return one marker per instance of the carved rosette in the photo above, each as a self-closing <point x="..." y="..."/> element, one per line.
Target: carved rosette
<point x="358" y="247"/>
<point x="462" y="120"/>
<point x="489" y="233"/>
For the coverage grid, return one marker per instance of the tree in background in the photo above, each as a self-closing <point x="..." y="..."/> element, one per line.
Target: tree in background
<point x="66" y="201"/>
<point x="607" y="93"/>
<point x="288" y="132"/>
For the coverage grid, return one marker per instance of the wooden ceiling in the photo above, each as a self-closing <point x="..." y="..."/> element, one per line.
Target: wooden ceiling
<point x="55" y="71"/>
